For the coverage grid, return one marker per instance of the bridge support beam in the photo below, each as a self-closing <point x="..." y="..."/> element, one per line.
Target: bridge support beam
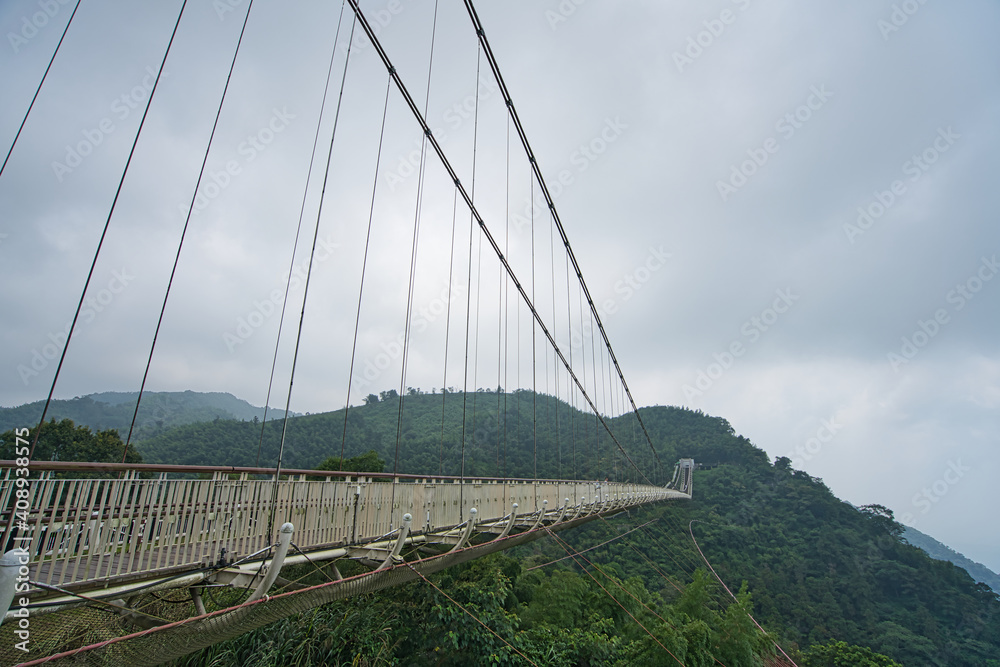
<point x="510" y="523"/>
<point x="562" y="512"/>
<point x="284" y="539"/>
<point x="467" y="534"/>
<point x="199" y="604"/>
<point x="541" y="514"/>
<point x="393" y="555"/>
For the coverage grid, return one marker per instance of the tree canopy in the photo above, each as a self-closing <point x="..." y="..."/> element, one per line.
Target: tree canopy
<point x="65" y="441"/>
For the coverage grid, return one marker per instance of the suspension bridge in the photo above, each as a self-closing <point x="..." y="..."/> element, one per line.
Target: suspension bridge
<point x="91" y="541"/>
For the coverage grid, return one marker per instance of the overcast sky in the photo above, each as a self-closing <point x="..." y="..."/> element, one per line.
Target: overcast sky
<point x="786" y="213"/>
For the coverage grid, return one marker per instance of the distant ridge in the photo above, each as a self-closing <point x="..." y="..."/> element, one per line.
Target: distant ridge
<point x="940" y="551"/>
<point x="159" y="411"/>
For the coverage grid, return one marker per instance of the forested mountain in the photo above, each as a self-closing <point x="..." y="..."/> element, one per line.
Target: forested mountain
<point x="568" y="442"/>
<point x="820" y="571"/>
<point x="158" y="411"/>
<point x="823" y="577"/>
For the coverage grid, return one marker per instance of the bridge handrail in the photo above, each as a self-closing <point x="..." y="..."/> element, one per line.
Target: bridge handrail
<point x="69" y="466"/>
<point x="89" y="532"/>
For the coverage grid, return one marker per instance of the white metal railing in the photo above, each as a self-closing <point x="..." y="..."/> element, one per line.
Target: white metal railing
<point x="95" y="531"/>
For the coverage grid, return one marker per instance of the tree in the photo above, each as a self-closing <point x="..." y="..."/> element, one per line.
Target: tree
<point x="882" y="517"/>
<point x="367" y="462"/>
<point x="65" y="441"/>
<point x="840" y="654"/>
<point x="371" y="399"/>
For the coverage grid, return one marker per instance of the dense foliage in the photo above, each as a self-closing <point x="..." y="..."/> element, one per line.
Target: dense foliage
<point x="821" y="570"/>
<point x="65" y="441"/>
<point x="496" y="612"/>
<point x="840" y="654"/>
<point x="367" y="462"/>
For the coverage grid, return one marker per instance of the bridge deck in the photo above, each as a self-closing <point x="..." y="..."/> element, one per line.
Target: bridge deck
<point x="84" y="534"/>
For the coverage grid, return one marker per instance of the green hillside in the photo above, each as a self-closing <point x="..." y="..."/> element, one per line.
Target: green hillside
<point x="500" y="438"/>
<point x="820" y="570"/>
<point x="113" y="410"/>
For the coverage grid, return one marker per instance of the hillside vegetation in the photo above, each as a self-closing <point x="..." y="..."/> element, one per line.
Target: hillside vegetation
<point x="500" y="432"/>
<point x="834" y="584"/>
<point x="820" y="571"/>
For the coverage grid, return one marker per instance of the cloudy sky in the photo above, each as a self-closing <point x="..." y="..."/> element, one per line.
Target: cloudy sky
<point x="784" y="211"/>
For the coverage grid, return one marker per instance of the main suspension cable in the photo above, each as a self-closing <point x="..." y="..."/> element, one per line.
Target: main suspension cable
<point x="366" y="26"/>
<point x="481" y="32"/>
